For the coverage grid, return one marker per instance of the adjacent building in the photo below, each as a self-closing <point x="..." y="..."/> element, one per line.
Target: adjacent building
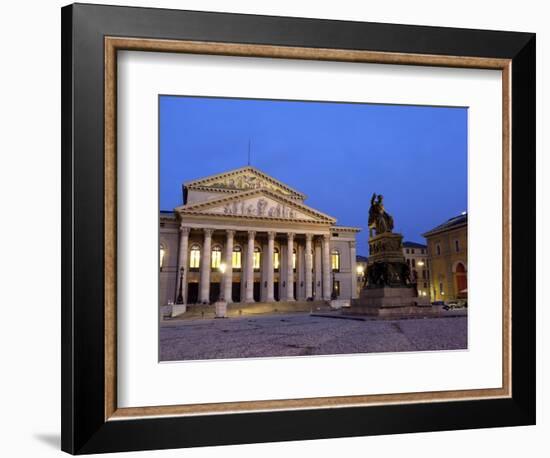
<point x="416" y="256"/>
<point x="448" y="259"/>
<point x="244" y="236"/>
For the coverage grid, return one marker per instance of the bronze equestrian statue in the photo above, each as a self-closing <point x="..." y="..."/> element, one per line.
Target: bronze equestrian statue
<point x="379" y="219"/>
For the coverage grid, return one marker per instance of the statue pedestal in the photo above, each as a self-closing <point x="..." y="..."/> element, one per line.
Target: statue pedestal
<point x="390" y="297"/>
<point x="392" y="303"/>
<point x="388" y="292"/>
<point x="386" y="247"/>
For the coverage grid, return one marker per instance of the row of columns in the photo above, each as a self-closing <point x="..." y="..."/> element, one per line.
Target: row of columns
<point x="204" y="291"/>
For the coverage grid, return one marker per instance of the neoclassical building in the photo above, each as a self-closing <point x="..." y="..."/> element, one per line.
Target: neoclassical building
<point x="244" y="236"/>
<point x="448" y="259"/>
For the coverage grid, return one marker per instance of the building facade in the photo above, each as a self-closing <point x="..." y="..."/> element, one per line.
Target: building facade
<point x="243" y="236"/>
<point x="448" y="259"/>
<point x="416" y="256"/>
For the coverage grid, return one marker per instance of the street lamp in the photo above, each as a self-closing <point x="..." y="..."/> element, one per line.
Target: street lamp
<point x="333" y="295"/>
<point x="179" y="300"/>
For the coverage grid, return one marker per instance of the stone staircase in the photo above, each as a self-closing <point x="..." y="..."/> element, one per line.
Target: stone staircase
<point x="199" y="311"/>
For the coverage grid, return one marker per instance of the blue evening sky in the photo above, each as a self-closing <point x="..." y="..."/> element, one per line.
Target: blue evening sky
<point x="338" y="154"/>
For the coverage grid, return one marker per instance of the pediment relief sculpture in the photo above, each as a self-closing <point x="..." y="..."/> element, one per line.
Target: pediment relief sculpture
<point x="245" y="182"/>
<point x="259" y="207"/>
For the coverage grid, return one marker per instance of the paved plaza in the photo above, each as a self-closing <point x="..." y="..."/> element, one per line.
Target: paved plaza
<point x="300" y="334"/>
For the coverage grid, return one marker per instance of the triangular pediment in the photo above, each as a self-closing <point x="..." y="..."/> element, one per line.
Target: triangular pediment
<point x="257" y="204"/>
<point x="243" y="179"/>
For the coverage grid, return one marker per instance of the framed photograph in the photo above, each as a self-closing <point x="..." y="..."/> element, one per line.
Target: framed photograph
<point x="281" y="228"/>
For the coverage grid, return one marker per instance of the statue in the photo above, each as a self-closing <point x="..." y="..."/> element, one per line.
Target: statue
<point x="393" y="274"/>
<point x="379" y="219"/>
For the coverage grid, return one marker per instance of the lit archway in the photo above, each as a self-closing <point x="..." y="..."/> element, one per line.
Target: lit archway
<point x="461" y="280"/>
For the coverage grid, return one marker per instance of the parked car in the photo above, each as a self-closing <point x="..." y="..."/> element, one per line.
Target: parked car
<point x="458" y="304"/>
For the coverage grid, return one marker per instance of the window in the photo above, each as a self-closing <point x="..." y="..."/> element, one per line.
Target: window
<point x="257" y="258"/>
<point x="438" y="249"/>
<point x="413" y="262"/>
<point x="162" y="255"/>
<point x="294" y="259"/>
<point x="335" y="260"/>
<point x="424" y="273"/>
<point x="457" y="246"/>
<point x="236" y="258"/>
<point x="195" y="258"/>
<point x="425" y="285"/>
<point x="407" y="251"/>
<point x="216" y="257"/>
<point x="412" y="251"/>
<point x="409" y="262"/>
<point x="276" y="259"/>
<point x="423" y="251"/>
<point x="441" y="288"/>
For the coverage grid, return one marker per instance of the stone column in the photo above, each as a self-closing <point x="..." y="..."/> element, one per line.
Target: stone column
<point x="205" y="266"/>
<point x="182" y="262"/>
<point x="326" y="268"/>
<point x="353" y="262"/>
<point x="309" y="266"/>
<point x="289" y="270"/>
<point x="249" y="293"/>
<point x="269" y="265"/>
<point x="318" y="271"/>
<point x="228" y="276"/>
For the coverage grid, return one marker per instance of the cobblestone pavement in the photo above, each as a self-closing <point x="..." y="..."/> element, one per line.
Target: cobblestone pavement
<point x="302" y="334"/>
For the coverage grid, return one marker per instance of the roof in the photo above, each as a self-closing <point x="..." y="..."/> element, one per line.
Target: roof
<point x="219" y="204"/>
<point x="217" y="182"/>
<point x="360" y="258"/>
<point x="345" y="229"/>
<point x="451" y="223"/>
<point x="413" y="245"/>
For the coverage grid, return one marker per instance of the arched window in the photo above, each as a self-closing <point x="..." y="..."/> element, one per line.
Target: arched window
<point x="162" y="256"/>
<point x="195" y="257"/>
<point x="257" y="258"/>
<point x="216" y="257"/>
<point x="236" y="258"/>
<point x="335" y="260"/>
<point x="438" y="249"/>
<point x="276" y="259"/>
<point x="294" y="259"/>
<point x="461" y="280"/>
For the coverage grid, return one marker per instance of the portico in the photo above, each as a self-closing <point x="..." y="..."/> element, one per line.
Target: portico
<point x="243" y="236"/>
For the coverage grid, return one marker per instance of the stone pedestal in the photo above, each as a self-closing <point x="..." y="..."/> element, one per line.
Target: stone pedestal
<point x="390" y="297"/>
<point x="339" y="303"/>
<point x="388" y="291"/>
<point x="390" y="303"/>
<point x="220" y="309"/>
<point x="178" y="309"/>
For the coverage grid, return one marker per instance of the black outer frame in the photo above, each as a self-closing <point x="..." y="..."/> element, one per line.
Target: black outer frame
<point x="84" y="429"/>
